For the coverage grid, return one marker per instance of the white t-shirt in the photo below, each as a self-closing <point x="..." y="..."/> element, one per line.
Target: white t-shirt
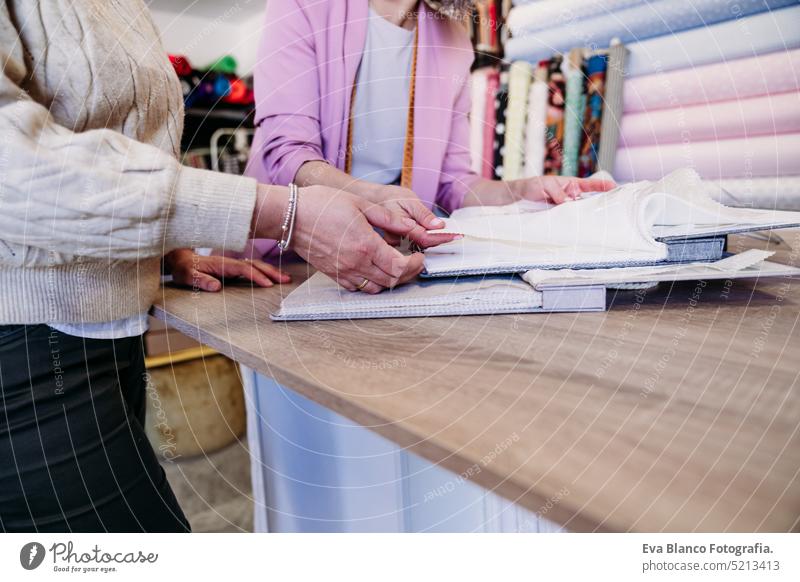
<point x="380" y="111"/>
<point x="117" y="329"/>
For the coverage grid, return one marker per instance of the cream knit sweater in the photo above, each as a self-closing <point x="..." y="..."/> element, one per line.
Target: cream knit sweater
<point x="91" y="193"/>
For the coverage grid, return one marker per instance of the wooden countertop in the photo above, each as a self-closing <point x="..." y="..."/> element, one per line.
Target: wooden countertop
<point x="678" y="409"/>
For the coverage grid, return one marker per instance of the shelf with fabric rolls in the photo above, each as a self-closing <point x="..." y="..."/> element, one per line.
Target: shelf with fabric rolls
<point x="547" y="119"/>
<point x="702" y="83"/>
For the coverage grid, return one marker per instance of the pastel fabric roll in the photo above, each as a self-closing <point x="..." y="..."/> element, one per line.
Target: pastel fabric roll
<point x="519" y="82"/>
<point x="554" y="133"/>
<point x="730" y="158"/>
<point x="774" y="192"/>
<point x="634" y="24"/>
<point x="534" y="16"/>
<point x="477" y="118"/>
<point x="573" y="112"/>
<point x="612" y="108"/>
<point x="738" y="79"/>
<point x="765" y="115"/>
<point x="759" y="34"/>
<point x="537" y="124"/>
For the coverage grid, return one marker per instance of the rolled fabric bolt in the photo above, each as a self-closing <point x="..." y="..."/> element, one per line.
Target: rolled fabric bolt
<point x="499" y="145"/>
<point x="490" y="118"/>
<point x="575" y="103"/>
<point x="593" y="115"/>
<point x="518" y="86"/>
<point x="758" y="34"/>
<point x="729" y="80"/>
<point x="728" y="158"/>
<point x="537" y="123"/>
<point x="765" y="115"/>
<point x="477" y="118"/>
<point x="554" y="137"/>
<point x="647" y="20"/>
<point x="612" y="107"/>
<point x="528" y="17"/>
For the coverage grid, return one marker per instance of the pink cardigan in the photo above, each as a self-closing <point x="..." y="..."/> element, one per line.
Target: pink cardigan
<point x="307" y="63"/>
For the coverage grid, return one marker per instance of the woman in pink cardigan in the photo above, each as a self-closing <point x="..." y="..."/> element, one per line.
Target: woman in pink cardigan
<point x="334" y="88"/>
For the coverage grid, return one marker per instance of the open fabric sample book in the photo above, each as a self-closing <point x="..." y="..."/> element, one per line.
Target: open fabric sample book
<point x="531" y="258"/>
<point x="536" y="291"/>
<point x="672" y="220"/>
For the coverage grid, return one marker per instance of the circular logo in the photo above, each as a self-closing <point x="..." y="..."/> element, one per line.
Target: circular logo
<point x="31" y="555"/>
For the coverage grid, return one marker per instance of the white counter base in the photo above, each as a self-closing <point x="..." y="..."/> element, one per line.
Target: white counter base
<point x="316" y="471"/>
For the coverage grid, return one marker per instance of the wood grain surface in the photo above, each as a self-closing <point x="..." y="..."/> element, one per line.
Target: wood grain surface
<point x="677" y="410"/>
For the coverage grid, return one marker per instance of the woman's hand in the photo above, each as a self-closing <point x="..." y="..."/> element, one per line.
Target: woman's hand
<point x="406" y="203"/>
<point x="397" y="199"/>
<point x="207" y="273"/>
<point x="334" y="232"/>
<point x="553" y="189"/>
<point x="558" y="189"/>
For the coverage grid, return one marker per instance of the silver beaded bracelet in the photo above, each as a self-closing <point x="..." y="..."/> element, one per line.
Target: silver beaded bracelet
<point x="288" y="219"/>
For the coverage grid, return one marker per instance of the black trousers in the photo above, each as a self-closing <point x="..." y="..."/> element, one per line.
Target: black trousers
<point x="73" y="452"/>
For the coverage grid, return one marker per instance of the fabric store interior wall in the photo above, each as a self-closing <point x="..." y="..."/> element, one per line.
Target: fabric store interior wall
<point x="205" y="30"/>
<point x="706" y="84"/>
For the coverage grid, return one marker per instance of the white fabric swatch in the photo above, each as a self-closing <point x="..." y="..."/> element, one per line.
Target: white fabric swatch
<point x="620" y="226"/>
<point x="776" y="192"/>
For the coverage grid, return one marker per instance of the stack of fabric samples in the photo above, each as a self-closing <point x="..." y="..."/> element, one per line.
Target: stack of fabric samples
<point x="709" y="84"/>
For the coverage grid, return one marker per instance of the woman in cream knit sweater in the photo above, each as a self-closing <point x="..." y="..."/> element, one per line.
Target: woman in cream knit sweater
<point x="91" y="199"/>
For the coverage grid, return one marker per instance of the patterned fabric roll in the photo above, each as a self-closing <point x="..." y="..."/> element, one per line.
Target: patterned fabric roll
<point x="487" y="161"/>
<point x="554" y="136"/>
<point x="593" y="115"/>
<point x="573" y="111"/>
<point x="501" y="104"/>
